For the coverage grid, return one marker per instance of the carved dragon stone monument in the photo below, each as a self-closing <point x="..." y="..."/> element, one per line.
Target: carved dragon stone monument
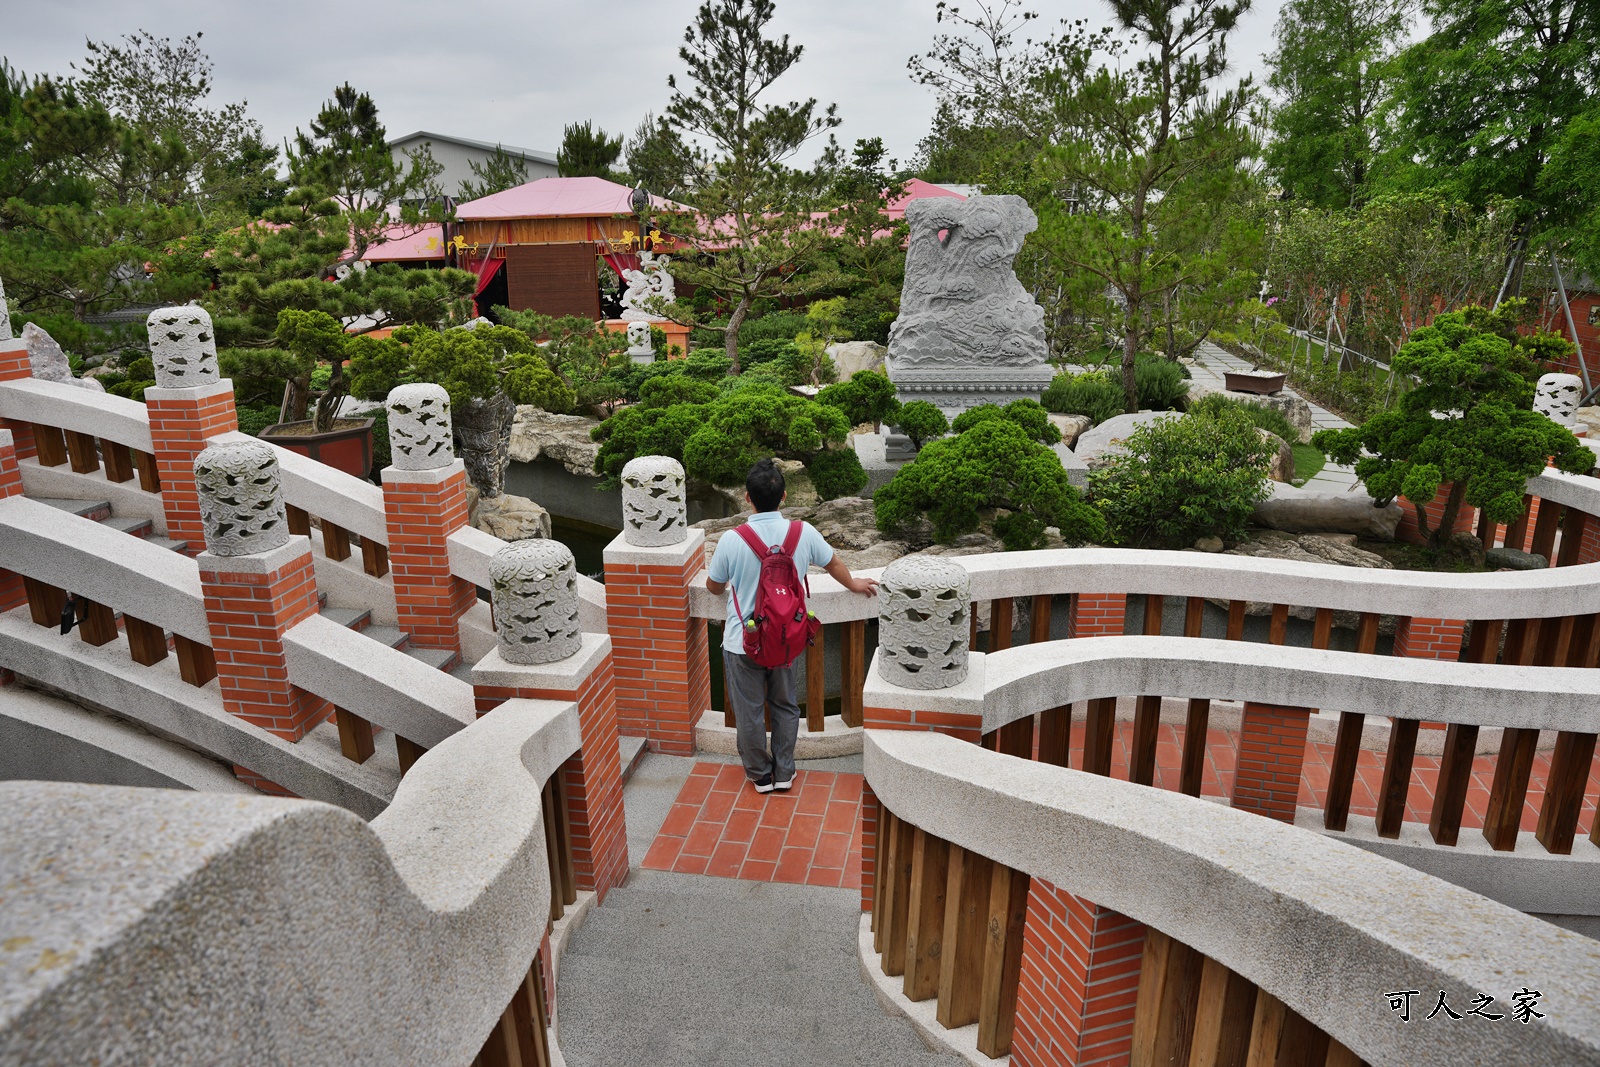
<point x="968" y="332"/>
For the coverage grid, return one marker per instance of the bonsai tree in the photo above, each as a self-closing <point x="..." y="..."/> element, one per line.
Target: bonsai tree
<point x="1467" y="426"/>
<point x="487" y="371"/>
<point x="1182" y="478"/>
<point x="314" y="338"/>
<point x="1033" y="419"/>
<point x="867" y="397"/>
<point x="922" y="422"/>
<point x="993" y="463"/>
<point x="587" y="356"/>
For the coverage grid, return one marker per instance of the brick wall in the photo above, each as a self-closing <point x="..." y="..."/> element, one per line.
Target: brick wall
<point x="1589" y="549"/>
<point x="1408" y="531"/>
<point x="181" y="422"/>
<point x="14" y="364"/>
<point x="661" y="655"/>
<point x="1423" y="638"/>
<point x="421" y="510"/>
<point x="1099" y="614"/>
<point x="12" y="593"/>
<point x="1272" y="751"/>
<point x="248" y="614"/>
<point x="1079" y="982"/>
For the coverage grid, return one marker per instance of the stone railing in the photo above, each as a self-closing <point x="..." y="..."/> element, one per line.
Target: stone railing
<point x="1065" y="917"/>
<point x="418" y="938"/>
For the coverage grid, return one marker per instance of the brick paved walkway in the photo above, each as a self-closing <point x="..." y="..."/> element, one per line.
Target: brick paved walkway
<point x="720" y="826"/>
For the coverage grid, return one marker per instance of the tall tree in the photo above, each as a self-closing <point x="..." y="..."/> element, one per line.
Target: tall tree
<point x="1488" y="96"/>
<point x="587" y="151"/>
<point x="753" y="225"/>
<point x="658" y="159"/>
<point x="496" y="174"/>
<point x="1332" y="70"/>
<point x="346" y="155"/>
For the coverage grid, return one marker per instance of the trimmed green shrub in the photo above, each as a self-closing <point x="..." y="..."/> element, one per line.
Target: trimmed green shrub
<point x="1092" y="393"/>
<point x="1270" y="419"/>
<point x="1183" y="478"/>
<point x="773" y="326"/>
<point x="1033" y="419"/>
<point x="867" y="397"/>
<point x="1163" y="384"/>
<point x="837" y="472"/>
<point x="922" y="422"/>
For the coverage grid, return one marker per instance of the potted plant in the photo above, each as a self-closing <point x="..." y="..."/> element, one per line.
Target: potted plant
<point x="313" y="338"/>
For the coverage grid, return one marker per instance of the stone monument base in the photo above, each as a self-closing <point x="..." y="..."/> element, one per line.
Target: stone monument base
<point x="955" y="389"/>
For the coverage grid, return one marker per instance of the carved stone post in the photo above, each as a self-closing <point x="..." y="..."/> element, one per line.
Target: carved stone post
<point x="259" y="583"/>
<point x="189" y="404"/>
<point x="541" y="655"/>
<point x="654" y="507"/>
<point x="924" y="623"/>
<point x="1557" y="396"/>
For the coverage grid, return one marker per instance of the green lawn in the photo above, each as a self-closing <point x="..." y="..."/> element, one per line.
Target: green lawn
<point x="1308" y="460"/>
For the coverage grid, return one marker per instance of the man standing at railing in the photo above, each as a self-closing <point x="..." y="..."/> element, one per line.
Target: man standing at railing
<point x="753" y="687"/>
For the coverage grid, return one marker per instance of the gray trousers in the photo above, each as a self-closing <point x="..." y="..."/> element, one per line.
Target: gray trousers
<point x="753" y="689"/>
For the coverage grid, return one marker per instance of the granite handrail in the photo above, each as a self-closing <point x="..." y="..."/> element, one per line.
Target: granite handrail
<point x="1252" y="893"/>
<point x="71" y="407"/>
<point x="398" y="941"/>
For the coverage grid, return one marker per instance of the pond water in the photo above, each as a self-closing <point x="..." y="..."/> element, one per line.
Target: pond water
<point x="588" y="542"/>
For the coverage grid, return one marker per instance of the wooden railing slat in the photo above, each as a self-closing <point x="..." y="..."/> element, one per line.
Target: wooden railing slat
<point x="897" y="902"/>
<point x="883" y="873"/>
<point x="1280" y="1037"/>
<point x="930" y="871"/>
<point x="407" y="752"/>
<point x="97" y="623"/>
<point x="1236" y="620"/>
<point x="1196" y="728"/>
<point x="299" y="521"/>
<point x="1544" y="529"/>
<point x="147" y="642"/>
<point x="1572" y="530"/>
<point x="197" y="664"/>
<point x="355" y="735"/>
<point x="1455" y="776"/>
<point x="1039" y="620"/>
<point x="50" y="445"/>
<point x="118" y="459"/>
<point x="1503" y="816"/>
<point x="335" y="541"/>
<point x="1224" y="1014"/>
<point x="966" y="922"/>
<point x="1055" y="735"/>
<point x="1147" y="710"/>
<point x="149" y="473"/>
<point x="1099" y="731"/>
<point x="1002" y="959"/>
<point x="853" y="669"/>
<point x="816" y="683"/>
<point x="552" y="849"/>
<point x="1563" y="791"/>
<point x="374" y="557"/>
<point x="1396" y="782"/>
<point x="45" y="601"/>
<point x="1516" y="535"/>
<point x="83" y="451"/>
<point x="1169" y="990"/>
<point x="1001" y="617"/>
<point x="1347" y="742"/>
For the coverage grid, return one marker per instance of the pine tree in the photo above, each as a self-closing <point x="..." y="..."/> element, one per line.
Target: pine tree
<point x="587" y="152"/>
<point x="496" y="174"/>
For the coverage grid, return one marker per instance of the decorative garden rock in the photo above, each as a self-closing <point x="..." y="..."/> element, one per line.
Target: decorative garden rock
<point x="182" y="347"/>
<point x="654" y="508"/>
<point x="241" y="502"/>
<point x="923" y="623"/>
<point x="534" y="585"/>
<point x="968" y="332"/>
<point x="419" y="427"/>
<point x="45" y="356"/>
<point x="1557" y="396"/>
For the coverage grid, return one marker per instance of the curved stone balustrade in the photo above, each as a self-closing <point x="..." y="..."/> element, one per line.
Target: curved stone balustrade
<point x="114" y="418"/>
<point x="1253" y="894"/>
<point x="1003" y="687"/>
<point x="448" y="888"/>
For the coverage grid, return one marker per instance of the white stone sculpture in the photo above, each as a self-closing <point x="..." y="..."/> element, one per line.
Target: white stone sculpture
<point x="241" y="502"/>
<point x="654" y="508"/>
<point x="5" y="314"/>
<point x="1557" y="396"/>
<point x="419" y="427"/>
<point x="968" y="332"/>
<point x="924" y="616"/>
<point x="640" y="348"/>
<point x="534" y="586"/>
<point x="48" y="361"/>
<point x="649" y="284"/>
<point x="182" y="347"/>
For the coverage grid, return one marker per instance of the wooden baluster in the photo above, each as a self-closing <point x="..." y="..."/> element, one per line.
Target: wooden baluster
<point x="1572" y="530"/>
<point x="882" y="875"/>
<point x="1347" y="743"/>
<point x="1224" y="1014"/>
<point x="119" y="461"/>
<point x="355" y="735"/>
<point x="1015" y="738"/>
<point x="1055" y="735"/>
<point x="1544" y="529"/>
<point x="1001" y="618"/>
<point x="1517" y="531"/>
<point x="149" y="473"/>
<point x="1236" y="620"/>
<point x="374" y="557"/>
<point x="729" y="719"/>
<point x="1339" y="1056"/>
<point x="1146" y="710"/>
<point x="97" y="623"/>
<point x="1279" y="1037"/>
<point x="1039" y="622"/>
<point x="1555" y="641"/>
<point x="1169" y="988"/>
<point x="52" y="448"/>
<point x="972" y="635"/>
<point x="299" y="521"/>
<point x="1563" y="791"/>
<point x="1002" y="960"/>
<point x="147" y="642"/>
<point x="1503" y="817"/>
<point x="335" y="541"/>
<point x="852" y="670"/>
<point x="569" y="874"/>
<point x="1460" y="746"/>
<point x="816" y="683"/>
<point x="83" y="451"/>
<point x="408" y="752"/>
<point x="197" y="664"/>
<point x="1191" y="772"/>
<point x="45" y="601"/>
<point x="539" y="1012"/>
<point x="1486" y="529"/>
<point x="1099" y="731"/>
<point x="1396" y="783"/>
<point x="897" y="903"/>
<point x="966" y="922"/>
<point x="1278" y="628"/>
<point x="930" y="872"/>
<point x="552" y="849"/>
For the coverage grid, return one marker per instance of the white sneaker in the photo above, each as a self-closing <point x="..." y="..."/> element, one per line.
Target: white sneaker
<point x="783" y="787"/>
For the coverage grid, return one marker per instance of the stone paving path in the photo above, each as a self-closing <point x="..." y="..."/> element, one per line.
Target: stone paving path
<point x="1211" y="362"/>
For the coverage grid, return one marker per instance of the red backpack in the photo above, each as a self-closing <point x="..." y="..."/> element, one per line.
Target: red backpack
<point x="781" y="627"/>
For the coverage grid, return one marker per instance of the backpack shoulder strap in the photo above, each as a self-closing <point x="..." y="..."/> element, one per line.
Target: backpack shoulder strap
<point x="791" y="540"/>
<point x="753" y="539"/>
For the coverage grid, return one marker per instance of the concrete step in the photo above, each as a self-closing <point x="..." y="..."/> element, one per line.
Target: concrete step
<point x="356" y="619"/>
<point x="392" y="636"/>
<point x="437" y="658"/>
<point x="167" y="542"/>
<point x="136" y="527"/>
<point x="631" y="750"/>
<point x="94" y="510"/>
<point x="463" y="671"/>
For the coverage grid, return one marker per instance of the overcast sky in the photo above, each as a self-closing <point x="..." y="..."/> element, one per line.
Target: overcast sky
<point x="517" y="72"/>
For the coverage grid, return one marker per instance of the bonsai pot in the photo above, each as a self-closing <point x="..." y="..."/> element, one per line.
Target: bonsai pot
<point x="1242" y="382"/>
<point x="346" y="447"/>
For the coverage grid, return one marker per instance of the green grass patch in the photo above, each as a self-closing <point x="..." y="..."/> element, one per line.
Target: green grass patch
<point x="1308" y="460"/>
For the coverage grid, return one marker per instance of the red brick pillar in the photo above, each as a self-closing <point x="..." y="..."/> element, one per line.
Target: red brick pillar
<point x="1099" y="614"/>
<point x="660" y="654"/>
<point x="1272" y="751"/>
<point x="181" y="422"/>
<point x="1589" y="548"/>
<point x="1079" y="982"/>
<point x="12" y="593"/>
<point x="15" y="364"/>
<point x="592" y="777"/>
<point x="422" y="508"/>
